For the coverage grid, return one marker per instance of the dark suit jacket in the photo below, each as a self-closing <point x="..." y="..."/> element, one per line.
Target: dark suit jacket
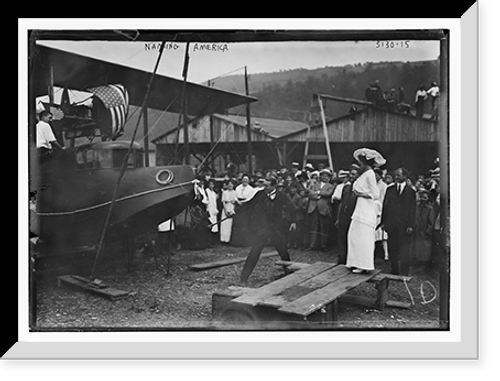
<point x="266" y="214"/>
<point x="398" y="212"/>
<point x="323" y="203"/>
<point x="347" y="205"/>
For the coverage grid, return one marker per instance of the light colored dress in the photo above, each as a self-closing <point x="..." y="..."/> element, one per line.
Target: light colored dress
<point x="361" y="235"/>
<point x="228" y="200"/>
<point x="212" y="209"/>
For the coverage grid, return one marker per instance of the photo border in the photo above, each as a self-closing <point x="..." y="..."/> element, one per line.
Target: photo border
<point x="296" y="344"/>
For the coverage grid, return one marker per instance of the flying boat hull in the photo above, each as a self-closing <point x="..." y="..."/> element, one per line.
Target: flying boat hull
<point x="72" y="207"/>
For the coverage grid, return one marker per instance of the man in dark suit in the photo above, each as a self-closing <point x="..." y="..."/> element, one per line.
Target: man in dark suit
<point x="320" y="210"/>
<point x="345" y="211"/>
<point x="398" y="220"/>
<point x="272" y="215"/>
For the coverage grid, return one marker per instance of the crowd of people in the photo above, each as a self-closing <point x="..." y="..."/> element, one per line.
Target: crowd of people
<point x="353" y="212"/>
<point x="394" y="100"/>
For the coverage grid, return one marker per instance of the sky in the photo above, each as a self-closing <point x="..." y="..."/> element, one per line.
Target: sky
<point x="258" y="57"/>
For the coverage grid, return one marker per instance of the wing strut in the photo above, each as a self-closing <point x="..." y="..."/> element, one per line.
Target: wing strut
<point x="124" y="164"/>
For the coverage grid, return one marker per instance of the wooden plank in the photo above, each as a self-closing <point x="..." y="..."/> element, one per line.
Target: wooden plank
<point x="309" y="303"/>
<point x="397" y="304"/>
<point x="108" y="292"/>
<point x="316" y="157"/>
<point x="371" y="302"/>
<point x="304" y="288"/>
<point x="364" y="301"/>
<point x="226" y="262"/>
<point x="381" y="276"/>
<point x="254" y="297"/>
<point x="291" y="267"/>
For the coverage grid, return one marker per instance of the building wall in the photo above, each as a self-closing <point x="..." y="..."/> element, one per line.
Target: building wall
<point x="373" y="125"/>
<point x="223" y="131"/>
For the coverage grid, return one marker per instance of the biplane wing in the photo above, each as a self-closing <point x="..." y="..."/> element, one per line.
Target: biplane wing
<point x="78" y="72"/>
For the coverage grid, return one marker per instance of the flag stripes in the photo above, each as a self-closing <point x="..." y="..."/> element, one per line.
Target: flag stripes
<point x="115" y="98"/>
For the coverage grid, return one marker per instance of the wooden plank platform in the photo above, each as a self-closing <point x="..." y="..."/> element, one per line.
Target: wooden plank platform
<point x="309" y="294"/>
<point x="98" y="289"/>
<point x="254" y="297"/>
<point x="381" y="280"/>
<point x="297" y="291"/>
<point x="320" y="297"/>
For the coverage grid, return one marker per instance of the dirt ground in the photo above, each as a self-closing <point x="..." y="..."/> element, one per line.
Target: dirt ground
<point x="164" y="294"/>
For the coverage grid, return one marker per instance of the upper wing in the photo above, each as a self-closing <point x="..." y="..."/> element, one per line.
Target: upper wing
<point x="79" y="73"/>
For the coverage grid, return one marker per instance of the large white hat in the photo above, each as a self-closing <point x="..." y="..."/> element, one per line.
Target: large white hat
<point x="370" y="154"/>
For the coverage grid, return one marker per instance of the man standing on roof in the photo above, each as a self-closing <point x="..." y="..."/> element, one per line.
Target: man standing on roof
<point x="434" y="93"/>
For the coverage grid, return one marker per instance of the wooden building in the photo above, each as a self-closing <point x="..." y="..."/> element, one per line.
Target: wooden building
<point x="215" y="141"/>
<point x="403" y="139"/>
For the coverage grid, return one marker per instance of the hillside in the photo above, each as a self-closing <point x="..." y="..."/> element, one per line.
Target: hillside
<point x="287" y="94"/>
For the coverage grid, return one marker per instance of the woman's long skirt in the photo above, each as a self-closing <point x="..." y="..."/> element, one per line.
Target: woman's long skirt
<point x="360" y="246"/>
<point x="226" y="227"/>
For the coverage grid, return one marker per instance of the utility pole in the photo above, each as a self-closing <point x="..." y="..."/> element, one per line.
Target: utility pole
<point x="249" y="127"/>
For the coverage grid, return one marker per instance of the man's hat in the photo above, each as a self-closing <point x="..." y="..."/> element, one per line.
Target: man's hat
<point x="309" y="166"/>
<point x="327" y="171"/>
<point x="343" y="173"/>
<point x="295" y="164"/>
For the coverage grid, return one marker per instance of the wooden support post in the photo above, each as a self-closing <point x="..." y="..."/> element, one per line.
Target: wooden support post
<point x="130" y="253"/>
<point x="153" y="245"/>
<point x="325" y="133"/>
<point x="249" y="128"/>
<point x="382" y="293"/>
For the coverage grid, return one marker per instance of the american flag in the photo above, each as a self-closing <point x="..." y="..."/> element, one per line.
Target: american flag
<point x="57" y="113"/>
<point x="115" y="99"/>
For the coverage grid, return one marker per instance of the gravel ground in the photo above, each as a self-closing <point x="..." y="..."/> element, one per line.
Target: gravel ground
<point x="170" y="296"/>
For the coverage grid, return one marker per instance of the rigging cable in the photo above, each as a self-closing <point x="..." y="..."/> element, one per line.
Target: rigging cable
<point x="124" y="164"/>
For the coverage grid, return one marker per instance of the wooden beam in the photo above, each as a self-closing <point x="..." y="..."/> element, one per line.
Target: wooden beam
<point x="343" y="99"/>
<point x="92" y="287"/>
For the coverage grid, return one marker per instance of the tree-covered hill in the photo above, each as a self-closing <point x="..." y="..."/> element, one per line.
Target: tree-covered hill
<point x="288" y="94"/>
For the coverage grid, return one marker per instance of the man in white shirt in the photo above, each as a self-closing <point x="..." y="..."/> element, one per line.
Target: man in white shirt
<point x="46" y="141"/>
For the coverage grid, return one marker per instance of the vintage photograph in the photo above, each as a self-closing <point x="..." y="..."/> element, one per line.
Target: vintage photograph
<point x="234" y="180"/>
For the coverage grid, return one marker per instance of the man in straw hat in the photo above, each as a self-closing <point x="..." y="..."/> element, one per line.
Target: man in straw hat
<point x="319" y="210"/>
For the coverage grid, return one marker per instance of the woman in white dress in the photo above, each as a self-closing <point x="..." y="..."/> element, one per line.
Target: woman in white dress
<point x="361" y="235"/>
<point x="240" y="235"/>
<point x="212" y="209"/>
<point x="228" y="201"/>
